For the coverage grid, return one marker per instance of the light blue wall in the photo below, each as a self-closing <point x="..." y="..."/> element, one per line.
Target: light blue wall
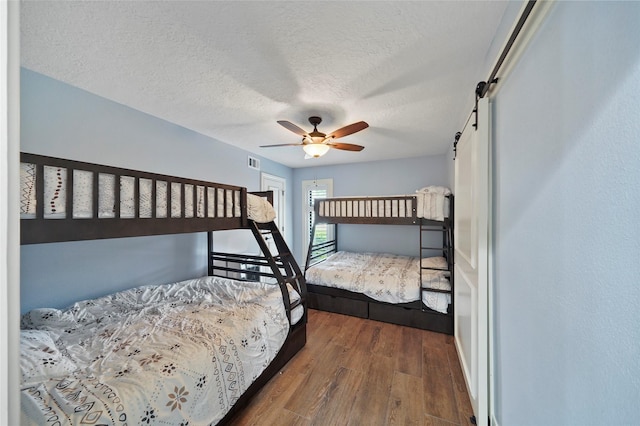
<point x="63" y="121"/>
<point x="567" y="239"/>
<point x="391" y="177"/>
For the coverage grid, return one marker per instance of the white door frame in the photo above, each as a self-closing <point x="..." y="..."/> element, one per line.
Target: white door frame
<point x="9" y="215"/>
<point x="278" y="184"/>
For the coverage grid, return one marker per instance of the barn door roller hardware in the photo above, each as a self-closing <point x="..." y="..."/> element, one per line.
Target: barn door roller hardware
<point x="455" y="143"/>
<point x="481" y="89"/>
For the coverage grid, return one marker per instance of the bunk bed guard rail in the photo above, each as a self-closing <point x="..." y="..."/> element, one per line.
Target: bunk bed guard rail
<point x="89" y="201"/>
<point x="392" y="210"/>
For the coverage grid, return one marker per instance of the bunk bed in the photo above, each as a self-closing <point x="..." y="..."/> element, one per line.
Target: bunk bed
<point x="192" y="352"/>
<point x="411" y="291"/>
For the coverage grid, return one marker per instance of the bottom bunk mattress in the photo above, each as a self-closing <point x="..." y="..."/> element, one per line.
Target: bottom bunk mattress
<point x="385" y="277"/>
<point x="179" y="353"/>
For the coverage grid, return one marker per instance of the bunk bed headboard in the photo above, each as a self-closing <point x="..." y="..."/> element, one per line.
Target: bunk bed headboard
<point x="65" y="200"/>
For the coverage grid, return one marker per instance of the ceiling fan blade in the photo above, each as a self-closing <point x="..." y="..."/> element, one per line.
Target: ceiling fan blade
<point x="345" y="146"/>
<point x="281" y="144"/>
<point x="347" y="130"/>
<point x="290" y="126"/>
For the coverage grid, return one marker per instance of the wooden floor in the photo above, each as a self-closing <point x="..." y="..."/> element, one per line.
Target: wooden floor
<point x="361" y="372"/>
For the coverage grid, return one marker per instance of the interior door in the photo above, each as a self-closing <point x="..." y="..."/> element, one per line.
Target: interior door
<point x="471" y="230"/>
<point x="277" y="185"/>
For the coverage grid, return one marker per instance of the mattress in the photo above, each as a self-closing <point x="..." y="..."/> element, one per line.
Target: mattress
<point x="385" y="277"/>
<point x="55" y="196"/>
<point x="180" y="353"/>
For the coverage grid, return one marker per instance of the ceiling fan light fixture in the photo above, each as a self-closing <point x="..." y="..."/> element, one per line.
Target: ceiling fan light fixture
<point x="314" y="138"/>
<point x="316" y="149"/>
<point x="315" y="143"/>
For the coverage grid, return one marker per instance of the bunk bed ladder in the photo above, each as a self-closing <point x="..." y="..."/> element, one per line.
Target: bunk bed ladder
<point x="283" y="264"/>
<point x="445" y="249"/>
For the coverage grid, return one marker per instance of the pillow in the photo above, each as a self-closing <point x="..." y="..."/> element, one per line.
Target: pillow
<point x="437" y="262"/>
<point x="259" y="209"/>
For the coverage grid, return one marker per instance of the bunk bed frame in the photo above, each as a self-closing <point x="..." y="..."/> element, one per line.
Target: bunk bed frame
<point x="386" y="210"/>
<point x="222" y="207"/>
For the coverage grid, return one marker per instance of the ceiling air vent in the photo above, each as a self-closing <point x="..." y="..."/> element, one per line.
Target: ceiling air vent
<point x="254" y="163"/>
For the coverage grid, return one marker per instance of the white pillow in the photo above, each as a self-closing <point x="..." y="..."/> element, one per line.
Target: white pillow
<point x="259" y="209"/>
<point x="436" y="262"/>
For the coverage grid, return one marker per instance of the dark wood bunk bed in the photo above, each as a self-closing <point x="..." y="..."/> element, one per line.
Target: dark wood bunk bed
<point x="385" y="210"/>
<point x="76" y="209"/>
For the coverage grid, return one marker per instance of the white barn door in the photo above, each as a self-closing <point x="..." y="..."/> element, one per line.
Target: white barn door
<point x="471" y="230"/>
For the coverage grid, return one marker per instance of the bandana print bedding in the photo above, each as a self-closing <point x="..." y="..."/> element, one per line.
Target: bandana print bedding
<point x="176" y="354"/>
<point x="384" y="277"/>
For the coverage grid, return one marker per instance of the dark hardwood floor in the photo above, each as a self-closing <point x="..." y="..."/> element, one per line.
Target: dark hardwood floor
<point x="362" y="372"/>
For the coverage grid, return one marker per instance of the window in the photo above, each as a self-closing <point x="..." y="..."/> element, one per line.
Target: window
<point x="311" y="191"/>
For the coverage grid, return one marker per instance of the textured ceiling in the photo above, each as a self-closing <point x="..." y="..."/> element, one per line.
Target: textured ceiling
<point x="230" y="69"/>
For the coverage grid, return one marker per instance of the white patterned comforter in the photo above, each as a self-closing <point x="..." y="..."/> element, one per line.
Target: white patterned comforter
<point x="385" y="277"/>
<point x="175" y="354"/>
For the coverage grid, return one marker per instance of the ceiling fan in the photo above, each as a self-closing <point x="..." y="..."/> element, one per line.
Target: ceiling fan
<point x="315" y="143"/>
